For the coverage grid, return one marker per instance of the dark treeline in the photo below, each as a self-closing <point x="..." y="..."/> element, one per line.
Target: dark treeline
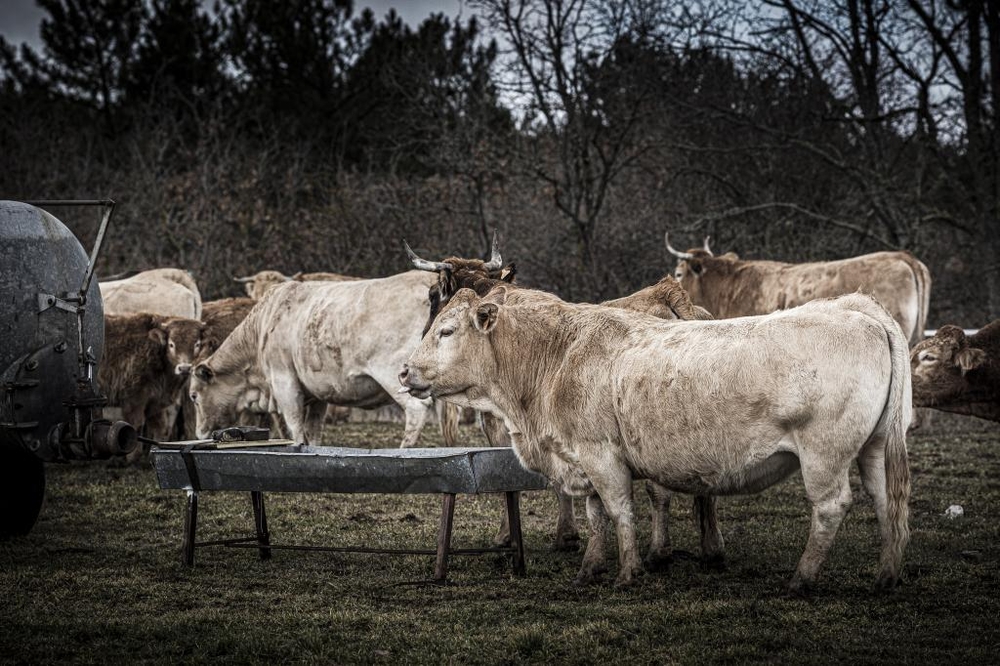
<point x="304" y="135"/>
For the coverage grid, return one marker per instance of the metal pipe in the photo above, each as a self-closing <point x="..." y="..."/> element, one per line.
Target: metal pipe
<point x="71" y="202"/>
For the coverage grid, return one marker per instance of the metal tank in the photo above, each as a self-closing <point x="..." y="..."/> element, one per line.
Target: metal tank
<point x="51" y="340"/>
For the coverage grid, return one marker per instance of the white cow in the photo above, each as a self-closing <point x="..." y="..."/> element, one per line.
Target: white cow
<point x="307" y="344"/>
<point x="596" y="396"/>
<point x="170" y="292"/>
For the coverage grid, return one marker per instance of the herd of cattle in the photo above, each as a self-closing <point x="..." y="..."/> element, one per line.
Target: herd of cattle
<point x="724" y="378"/>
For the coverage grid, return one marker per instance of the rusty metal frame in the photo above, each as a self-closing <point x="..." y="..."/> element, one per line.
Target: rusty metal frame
<point x="262" y="539"/>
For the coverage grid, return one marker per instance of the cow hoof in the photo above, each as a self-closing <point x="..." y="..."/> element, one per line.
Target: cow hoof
<point x="798" y="589"/>
<point x="583" y="579"/>
<point x="715" y="562"/>
<point x="623" y="583"/>
<point x="658" y="560"/>
<point x="566" y="543"/>
<point x="886" y="584"/>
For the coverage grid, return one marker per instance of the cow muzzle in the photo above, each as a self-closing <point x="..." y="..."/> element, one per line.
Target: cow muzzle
<point x="182" y="369"/>
<point x="413" y="383"/>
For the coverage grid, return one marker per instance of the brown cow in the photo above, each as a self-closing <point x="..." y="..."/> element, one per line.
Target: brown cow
<point x="958" y="373"/>
<point x="221" y="317"/>
<point x="728" y="286"/>
<point x="146" y="363"/>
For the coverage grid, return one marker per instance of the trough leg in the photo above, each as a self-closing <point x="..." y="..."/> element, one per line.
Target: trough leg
<point x="514" y="520"/>
<point x="444" y="537"/>
<point x="190" y="528"/>
<point x="260" y="522"/>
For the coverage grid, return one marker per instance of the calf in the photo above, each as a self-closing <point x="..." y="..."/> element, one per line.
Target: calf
<point x="958" y="373"/>
<point x="145" y="366"/>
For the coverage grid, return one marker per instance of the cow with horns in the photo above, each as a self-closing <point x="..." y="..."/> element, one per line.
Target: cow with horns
<point x="728" y="286"/>
<point x="664" y="300"/>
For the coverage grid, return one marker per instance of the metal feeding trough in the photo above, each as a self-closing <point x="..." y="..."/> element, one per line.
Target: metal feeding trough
<point x="280" y="466"/>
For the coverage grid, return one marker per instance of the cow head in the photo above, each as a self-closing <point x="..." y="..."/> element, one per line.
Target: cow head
<point x="455" y="273"/>
<point x="697" y="265"/>
<point x="182" y="339"/>
<point x="940" y="364"/>
<point x="220" y="395"/>
<point x="259" y="284"/>
<point x="455" y="354"/>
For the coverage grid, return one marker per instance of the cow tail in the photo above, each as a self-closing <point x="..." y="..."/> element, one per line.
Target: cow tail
<point x="896" y="420"/>
<point x="448" y="416"/>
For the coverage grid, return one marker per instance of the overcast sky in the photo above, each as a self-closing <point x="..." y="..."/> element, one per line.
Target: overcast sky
<point x="19" y="19"/>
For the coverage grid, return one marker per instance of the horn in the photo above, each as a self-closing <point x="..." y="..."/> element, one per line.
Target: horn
<point x="705" y="246"/>
<point x="425" y="265"/>
<point x="295" y="277"/>
<point x="679" y="255"/>
<point x="243" y="279"/>
<point x="495" y="262"/>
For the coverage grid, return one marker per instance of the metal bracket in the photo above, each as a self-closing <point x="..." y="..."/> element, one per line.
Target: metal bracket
<point x="46" y="301"/>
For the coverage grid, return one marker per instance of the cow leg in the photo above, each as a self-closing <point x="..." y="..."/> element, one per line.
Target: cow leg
<point x="712" y="543"/>
<point x="496" y="434"/>
<point x="448" y="416"/>
<point x="315" y="419"/>
<point x="567" y="536"/>
<point x="416" y="416"/>
<point x="871" y="465"/>
<point x="594" y="562"/>
<point x="829" y="491"/>
<point x="660" y="554"/>
<point x="287" y="394"/>
<point x="613" y="482"/>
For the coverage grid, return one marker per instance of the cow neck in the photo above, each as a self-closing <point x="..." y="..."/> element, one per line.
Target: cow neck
<point x="534" y="344"/>
<point x="239" y="349"/>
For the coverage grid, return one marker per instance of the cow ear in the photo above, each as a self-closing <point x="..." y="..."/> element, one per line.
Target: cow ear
<point x="158" y="335"/>
<point x="486" y="317"/>
<point x="508" y="272"/>
<point x="969" y="358"/>
<point x="204" y="372"/>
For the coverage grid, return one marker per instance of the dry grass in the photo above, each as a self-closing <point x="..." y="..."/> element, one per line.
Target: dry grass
<point x="99" y="579"/>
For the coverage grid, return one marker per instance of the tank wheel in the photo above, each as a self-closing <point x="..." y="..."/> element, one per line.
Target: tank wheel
<point x="22" y="488"/>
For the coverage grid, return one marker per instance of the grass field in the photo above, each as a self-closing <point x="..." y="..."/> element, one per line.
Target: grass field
<point x="99" y="579"/>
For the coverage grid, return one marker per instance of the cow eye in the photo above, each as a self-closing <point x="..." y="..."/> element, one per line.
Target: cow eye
<point x="171" y="345"/>
<point x="445" y="332"/>
<point x="194" y="397"/>
<point x="197" y="345"/>
<point x="927" y="357"/>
